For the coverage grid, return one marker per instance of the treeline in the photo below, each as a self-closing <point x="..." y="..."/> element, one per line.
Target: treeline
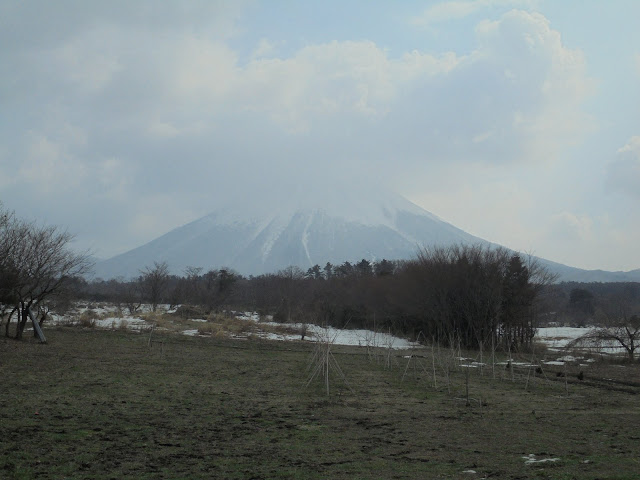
<point x="581" y="304"/>
<point x="467" y="295"/>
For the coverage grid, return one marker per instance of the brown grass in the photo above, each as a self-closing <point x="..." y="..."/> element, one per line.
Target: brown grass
<point x="104" y="404"/>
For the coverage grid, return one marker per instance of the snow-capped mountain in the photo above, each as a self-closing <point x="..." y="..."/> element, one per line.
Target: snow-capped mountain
<point x="271" y="235"/>
<point x="309" y="225"/>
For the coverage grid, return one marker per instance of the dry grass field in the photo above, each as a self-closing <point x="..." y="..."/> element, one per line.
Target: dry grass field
<point x="103" y="404"/>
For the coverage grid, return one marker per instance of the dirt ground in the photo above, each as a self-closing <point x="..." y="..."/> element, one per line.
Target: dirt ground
<point x="96" y="404"/>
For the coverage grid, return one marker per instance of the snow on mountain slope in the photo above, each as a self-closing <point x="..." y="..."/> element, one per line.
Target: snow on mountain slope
<point x="275" y="233"/>
<point x="307" y="225"/>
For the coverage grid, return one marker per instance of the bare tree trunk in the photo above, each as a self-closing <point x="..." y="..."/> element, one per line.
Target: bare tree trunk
<point x="6" y="328"/>
<point x="39" y="321"/>
<point x="493" y="357"/>
<point x="631" y="352"/>
<point x="467" y="374"/>
<point x="433" y="363"/>
<point x="510" y="364"/>
<point x="24" y="316"/>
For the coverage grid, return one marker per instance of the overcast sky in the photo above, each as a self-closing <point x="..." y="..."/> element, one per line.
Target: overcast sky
<point x="517" y="121"/>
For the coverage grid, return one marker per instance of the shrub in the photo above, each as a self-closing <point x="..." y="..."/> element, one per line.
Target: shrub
<point x="88" y="318"/>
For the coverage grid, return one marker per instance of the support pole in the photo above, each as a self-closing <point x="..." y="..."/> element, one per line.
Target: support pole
<point x="36" y="327"/>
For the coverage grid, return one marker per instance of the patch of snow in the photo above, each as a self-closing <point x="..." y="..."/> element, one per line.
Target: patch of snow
<point x="361" y="338"/>
<point x="275" y="229"/>
<point x="253" y="316"/>
<point x="567" y="358"/>
<point x="191" y="333"/>
<point x="305" y="238"/>
<point x="118" y="322"/>
<point x="314" y="333"/>
<point x="517" y="364"/>
<point x="560" y="336"/>
<point x="278" y="336"/>
<point x="531" y="459"/>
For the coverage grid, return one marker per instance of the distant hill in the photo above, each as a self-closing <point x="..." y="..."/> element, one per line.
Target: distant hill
<point x="336" y="226"/>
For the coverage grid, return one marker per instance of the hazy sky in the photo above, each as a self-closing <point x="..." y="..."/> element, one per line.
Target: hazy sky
<point x="517" y="121"/>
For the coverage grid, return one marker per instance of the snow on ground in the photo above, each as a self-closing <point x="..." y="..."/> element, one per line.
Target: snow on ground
<point x="110" y="317"/>
<point x="361" y="338"/>
<point x="336" y="336"/>
<point x="531" y="459"/>
<point x="131" y="323"/>
<point x="559" y="337"/>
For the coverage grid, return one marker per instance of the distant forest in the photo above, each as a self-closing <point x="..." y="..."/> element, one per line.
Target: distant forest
<point x="474" y="296"/>
<point x="580" y="304"/>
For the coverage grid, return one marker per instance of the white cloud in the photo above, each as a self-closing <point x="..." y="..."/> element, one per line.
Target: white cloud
<point x="455" y="10"/>
<point x="115" y="180"/>
<point x="520" y="91"/>
<point x="633" y="146"/>
<point x="163" y="129"/>
<point x="188" y="114"/>
<point x="265" y="48"/>
<point x="202" y="70"/>
<point x="485" y="202"/>
<point x="330" y="79"/>
<point x="49" y="164"/>
<point x="603" y="237"/>
<point x="572" y="236"/>
<point x="150" y="215"/>
<point x="571" y="227"/>
<point x="317" y="81"/>
<point x="90" y="61"/>
<point x="590" y="241"/>
<point x="623" y="173"/>
<point x="518" y="94"/>
<point x="547" y="80"/>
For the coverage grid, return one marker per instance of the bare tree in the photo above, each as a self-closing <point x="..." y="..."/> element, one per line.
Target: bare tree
<point x="476" y="295"/>
<point x="290" y="291"/>
<point x="619" y="331"/>
<point x="131" y="294"/>
<point x="36" y="265"/>
<point x="189" y="288"/>
<point x="154" y="281"/>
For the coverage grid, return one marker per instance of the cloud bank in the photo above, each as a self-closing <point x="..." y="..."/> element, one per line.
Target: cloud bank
<point x="137" y="118"/>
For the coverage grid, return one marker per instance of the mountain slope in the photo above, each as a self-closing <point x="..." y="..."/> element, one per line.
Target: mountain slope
<point x="262" y="239"/>
<point x="336" y="226"/>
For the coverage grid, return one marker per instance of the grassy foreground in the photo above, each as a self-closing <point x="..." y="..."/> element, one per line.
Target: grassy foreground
<point x="97" y="404"/>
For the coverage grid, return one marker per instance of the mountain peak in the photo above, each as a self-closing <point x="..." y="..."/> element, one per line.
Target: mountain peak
<point x="325" y="224"/>
<point x="368" y="206"/>
<point x="304" y="225"/>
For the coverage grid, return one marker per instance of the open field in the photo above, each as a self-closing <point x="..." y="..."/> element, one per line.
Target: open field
<point x="102" y="404"/>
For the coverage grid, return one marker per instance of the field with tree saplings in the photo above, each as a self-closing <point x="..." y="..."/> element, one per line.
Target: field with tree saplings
<point x="109" y="404"/>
